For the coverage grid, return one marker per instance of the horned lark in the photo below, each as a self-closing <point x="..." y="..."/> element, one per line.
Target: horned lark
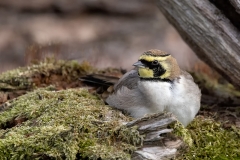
<point x="157" y="84"/>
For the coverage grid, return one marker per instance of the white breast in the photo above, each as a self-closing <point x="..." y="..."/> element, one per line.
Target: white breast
<point x="181" y="97"/>
<point x="159" y="94"/>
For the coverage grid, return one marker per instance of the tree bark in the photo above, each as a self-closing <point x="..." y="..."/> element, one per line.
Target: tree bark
<point x="212" y="30"/>
<point x="236" y="5"/>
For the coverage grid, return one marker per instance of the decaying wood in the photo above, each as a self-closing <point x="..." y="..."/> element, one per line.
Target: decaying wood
<point x="158" y="142"/>
<point x="210" y="31"/>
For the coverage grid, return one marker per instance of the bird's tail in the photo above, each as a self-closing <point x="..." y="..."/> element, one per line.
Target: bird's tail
<point x="101" y="84"/>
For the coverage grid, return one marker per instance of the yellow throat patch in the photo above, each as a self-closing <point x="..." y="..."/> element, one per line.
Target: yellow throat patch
<point x="145" y="73"/>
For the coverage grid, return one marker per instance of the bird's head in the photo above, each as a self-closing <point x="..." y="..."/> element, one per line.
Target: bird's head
<point x="156" y="64"/>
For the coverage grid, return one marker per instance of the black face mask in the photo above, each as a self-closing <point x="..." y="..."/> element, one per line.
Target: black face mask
<point x="157" y="68"/>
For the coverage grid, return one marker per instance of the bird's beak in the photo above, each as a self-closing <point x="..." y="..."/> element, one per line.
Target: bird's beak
<point x="139" y="64"/>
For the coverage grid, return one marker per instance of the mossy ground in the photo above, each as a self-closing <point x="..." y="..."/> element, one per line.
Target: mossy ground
<point x="61" y="74"/>
<point x="211" y="141"/>
<point x="64" y="124"/>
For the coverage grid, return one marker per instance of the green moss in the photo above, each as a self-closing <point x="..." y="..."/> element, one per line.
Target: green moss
<point x="64" y="124"/>
<point x="180" y="131"/>
<point x="212" y="141"/>
<point x="42" y="73"/>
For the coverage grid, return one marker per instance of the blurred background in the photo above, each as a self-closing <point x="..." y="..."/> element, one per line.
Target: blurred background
<point x="107" y="33"/>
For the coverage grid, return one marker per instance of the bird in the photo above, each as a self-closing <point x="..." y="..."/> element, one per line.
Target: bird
<point x="156" y="84"/>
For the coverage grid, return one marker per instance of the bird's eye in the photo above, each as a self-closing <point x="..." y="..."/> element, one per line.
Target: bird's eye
<point x="155" y="62"/>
